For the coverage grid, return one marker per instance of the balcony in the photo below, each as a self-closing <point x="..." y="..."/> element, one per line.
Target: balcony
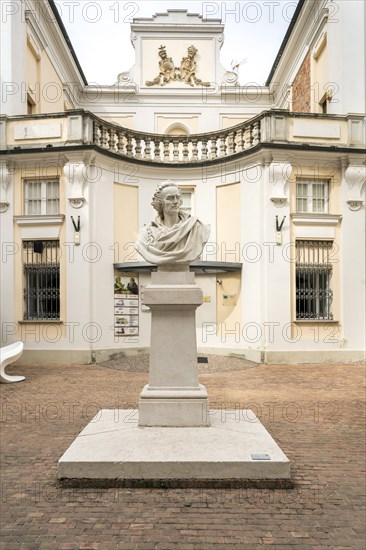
<point x="78" y="129"/>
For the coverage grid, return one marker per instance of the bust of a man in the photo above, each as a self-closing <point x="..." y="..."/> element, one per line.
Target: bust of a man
<point x="174" y="238"/>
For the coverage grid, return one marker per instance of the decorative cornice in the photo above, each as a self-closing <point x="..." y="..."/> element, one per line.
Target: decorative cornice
<point x="355" y="204"/>
<point x="54" y="219"/>
<point x="279" y="202"/>
<point x="316" y="219"/>
<point x="355" y="177"/>
<point x="76" y="202"/>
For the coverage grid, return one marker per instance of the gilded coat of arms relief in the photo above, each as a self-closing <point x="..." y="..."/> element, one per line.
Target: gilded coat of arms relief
<point x="185" y="73"/>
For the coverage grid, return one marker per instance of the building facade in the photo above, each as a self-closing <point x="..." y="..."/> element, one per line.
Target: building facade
<point x="278" y="171"/>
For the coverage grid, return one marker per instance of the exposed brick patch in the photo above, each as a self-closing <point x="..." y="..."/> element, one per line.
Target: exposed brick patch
<point x="301" y="88"/>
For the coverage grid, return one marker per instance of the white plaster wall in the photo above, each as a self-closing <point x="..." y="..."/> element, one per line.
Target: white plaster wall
<point x="253" y="281"/>
<point x="352" y="283"/>
<point x="8" y="251"/>
<point x="78" y="277"/>
<point x="12" y="58"/>
<point x="205" y="204"/>
<point x="206" y="313"/>
<point x="101" y="271"/>
<point x="277" y="288"/>
<point x="347" y="53"/>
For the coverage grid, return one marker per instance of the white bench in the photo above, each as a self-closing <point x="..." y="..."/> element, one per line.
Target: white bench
<point x="9" y="354"/>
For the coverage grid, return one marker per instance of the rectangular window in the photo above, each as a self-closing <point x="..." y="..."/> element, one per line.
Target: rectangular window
<point x="187" y="201"/>
<point x="313" y="273"/>
<point x="41" y="264"/>
<point x="312" y="196"/>
<point x="41" y="197"/>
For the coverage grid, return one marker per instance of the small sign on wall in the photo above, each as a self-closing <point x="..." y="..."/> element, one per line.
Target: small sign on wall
<point x="229" y="300"/>
<point x="37" y="131"/>
<point x="126" y="306"/>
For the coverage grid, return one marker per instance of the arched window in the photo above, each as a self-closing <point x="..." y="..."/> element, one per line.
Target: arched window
<point x="177" y="129"/>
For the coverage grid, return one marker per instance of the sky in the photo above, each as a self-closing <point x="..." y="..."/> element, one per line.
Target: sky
<point x="100" y="33"/>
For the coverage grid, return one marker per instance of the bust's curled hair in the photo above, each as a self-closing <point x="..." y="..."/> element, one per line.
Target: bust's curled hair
<point x="157" y="202"/>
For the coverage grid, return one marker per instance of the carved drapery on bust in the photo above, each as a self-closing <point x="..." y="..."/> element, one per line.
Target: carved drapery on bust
<point x="174" y="237"/>
<point x="185" y="73"/>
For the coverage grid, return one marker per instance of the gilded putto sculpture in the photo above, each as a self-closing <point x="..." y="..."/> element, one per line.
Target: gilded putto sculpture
<point x="185" y="73"/>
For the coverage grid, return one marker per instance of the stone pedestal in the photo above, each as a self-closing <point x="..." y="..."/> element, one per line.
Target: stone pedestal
<point x="113" y="447"/>
<point x="173" y="436"/>
<point x="173" y="396"/>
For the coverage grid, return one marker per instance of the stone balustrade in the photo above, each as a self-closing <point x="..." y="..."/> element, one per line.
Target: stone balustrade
<point x="178" y="149"/>
<point x="79" y="128"/>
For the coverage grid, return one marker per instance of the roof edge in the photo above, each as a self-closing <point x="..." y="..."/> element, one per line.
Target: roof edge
<point x="285" y="40"/>
<point x="67" y="39"/>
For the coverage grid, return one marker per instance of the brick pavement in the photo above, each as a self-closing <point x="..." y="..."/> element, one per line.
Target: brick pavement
<point x="315" y="413"/>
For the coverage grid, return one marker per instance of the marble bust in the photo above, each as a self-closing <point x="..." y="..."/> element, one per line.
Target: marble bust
<point x="174" y="239"/>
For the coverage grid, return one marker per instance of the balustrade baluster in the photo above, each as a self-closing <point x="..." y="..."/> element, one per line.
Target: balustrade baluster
<point x="138" y="148"/>
<point x="104" y="136"/>
<point x="175" y="149"/>
<point x="222" y="145"/>
<point x="256" y="133"/>
<point x="231" y="142"/>
<point x="239" y="141"/>
<point x="204" y="149"/>
<point x="120" y="142"/>
<point x="185" y="149"/>
<point x="111" y="139"/>
<point x="213" y="152"/>
<point x="129" y="148"/>
<point x="97" y="134"/>
<point x="194" y="149"/>
<point x="147" y="152"/>
<point x="159" y="150"/>
<point x="247" y="137"/>
<point x="166" y="142"/>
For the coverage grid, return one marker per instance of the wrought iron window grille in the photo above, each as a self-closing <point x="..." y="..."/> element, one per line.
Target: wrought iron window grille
<point x="314" y="269"/>
<point x="41" y="267"/>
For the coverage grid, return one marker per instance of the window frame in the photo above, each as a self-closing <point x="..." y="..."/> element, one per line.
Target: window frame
<point x="191" y="191"/>
<point x="43" y="199"/>
<point x="310" y="196"/>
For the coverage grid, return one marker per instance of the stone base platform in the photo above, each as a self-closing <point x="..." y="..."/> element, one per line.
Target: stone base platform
<point x="113" y="446"/>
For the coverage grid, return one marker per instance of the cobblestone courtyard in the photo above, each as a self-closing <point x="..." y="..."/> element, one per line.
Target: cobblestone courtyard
<point x="314" y="412"/>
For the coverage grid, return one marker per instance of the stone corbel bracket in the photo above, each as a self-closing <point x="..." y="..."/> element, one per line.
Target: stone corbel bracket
<point x="3" y="206"/>
<point x="355" y="177"/>
<point x="76" y="174"/>
<point x="230" y="77"/>
<point x="5" y="177"/>
<point x="76" y="202"/>
<point x="279" y="175"/>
